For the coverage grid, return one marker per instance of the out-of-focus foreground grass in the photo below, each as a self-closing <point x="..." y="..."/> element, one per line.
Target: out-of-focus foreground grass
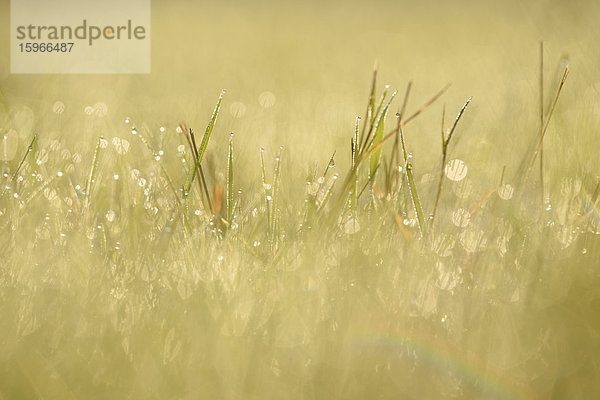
<point x="287" y="275"/>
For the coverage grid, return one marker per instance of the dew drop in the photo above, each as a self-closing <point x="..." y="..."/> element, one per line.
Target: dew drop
<point x="110" y="215"/>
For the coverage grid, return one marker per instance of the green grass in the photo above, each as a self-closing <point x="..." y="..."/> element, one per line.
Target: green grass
<point x="120" y="278"/>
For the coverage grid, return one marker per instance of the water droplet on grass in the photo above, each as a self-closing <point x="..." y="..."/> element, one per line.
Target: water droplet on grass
<point x="110" y="215"/>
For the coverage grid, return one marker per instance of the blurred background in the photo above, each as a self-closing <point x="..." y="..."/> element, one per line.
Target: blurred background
<point x="366" y="314"/>
<point x="298" y="72"/>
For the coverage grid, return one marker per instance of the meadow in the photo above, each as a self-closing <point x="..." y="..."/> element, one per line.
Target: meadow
<point x="267" y="215"/>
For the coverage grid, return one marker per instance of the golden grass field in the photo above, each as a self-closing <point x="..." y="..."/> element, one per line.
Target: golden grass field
<point x="301" y="257"/>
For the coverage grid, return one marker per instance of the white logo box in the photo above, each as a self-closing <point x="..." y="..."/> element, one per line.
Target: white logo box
<point x="80" y="36"/>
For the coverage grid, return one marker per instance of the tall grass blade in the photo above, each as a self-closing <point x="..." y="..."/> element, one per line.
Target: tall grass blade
<point x="374" y="120"/>
<point x="395" y="157"/>
<point x="265" y="189"/>
<point x="376" y="157"/>
<point x="543" y="196"/>
<point x="370" y="104"/>
<point x="276" y="184"/>
<point x="445" y="143"/>
<point x="209" y="129"/>
<point x="92" y="174"/>
<point x="230" y="182"/>
<point x="16" y="173"/>
<point x="545" y="128"/>
<point x="414" y="194"/>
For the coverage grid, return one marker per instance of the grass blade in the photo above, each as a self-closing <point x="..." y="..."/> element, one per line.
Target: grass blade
<point x="542" y="121"/>
<point x="274" y="197"/>
<point x="230" y="181"/>
<point x="209" y="129"/>
<point x="29" y="150"/>
<point x="92" y="174"/>
<point x="376" y="157"/>
<point x="445" y="143"/>
<point x="544" y="129"/>
<point x="414" y="195"/>
<point x="266" y="188"/>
